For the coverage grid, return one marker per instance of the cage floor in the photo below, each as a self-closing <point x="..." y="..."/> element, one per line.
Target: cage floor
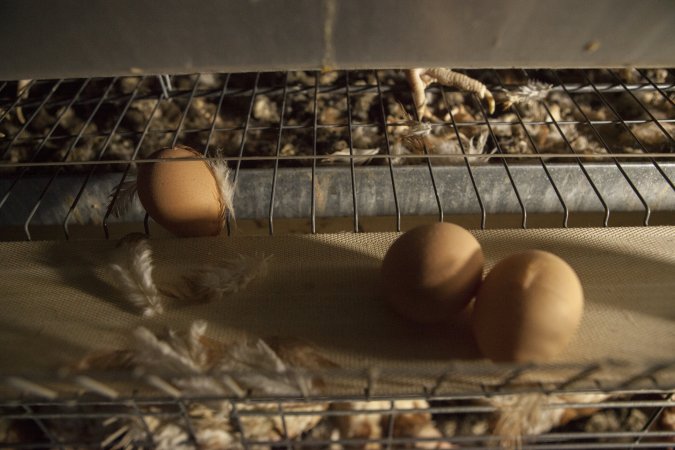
<point x="59" y="304"/>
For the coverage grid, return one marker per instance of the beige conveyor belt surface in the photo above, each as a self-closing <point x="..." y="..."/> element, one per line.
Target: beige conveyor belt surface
<point x="58" y="303"/>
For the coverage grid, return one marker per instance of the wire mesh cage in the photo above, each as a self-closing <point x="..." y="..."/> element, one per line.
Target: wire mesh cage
<point x="299" y="351"/>
<point x="600" y="147"/>
<point x="334" y="151"/>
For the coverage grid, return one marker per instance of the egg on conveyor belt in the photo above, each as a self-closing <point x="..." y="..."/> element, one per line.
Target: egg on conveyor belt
<point x="190" y="196"/>
<point x="432" y="272"/>
<point x="528" y="308"/>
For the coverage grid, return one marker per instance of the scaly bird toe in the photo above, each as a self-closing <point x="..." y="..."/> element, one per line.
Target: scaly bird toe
<point x="419" y="79"/>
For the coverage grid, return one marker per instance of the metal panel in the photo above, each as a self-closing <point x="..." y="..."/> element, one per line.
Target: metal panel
<point x="70" y="38"/>
<point x="333" y="190"/>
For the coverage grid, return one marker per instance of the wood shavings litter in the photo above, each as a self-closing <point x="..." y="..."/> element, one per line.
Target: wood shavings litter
<point x="649" y="134"/>
<point x="265" y="110"/>
<point x="667" y="421"/>
<point x="373" y="426"/>
<point x="333" y="121"/>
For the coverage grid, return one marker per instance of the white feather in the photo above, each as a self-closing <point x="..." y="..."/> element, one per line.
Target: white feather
<point x="212" y="439"/>
<point x="233" y="275"/>
<point x="400" y="151"/>
<point x="197" y="350"/>
<point x="360" y="156"/>
<point x="222" y="174"/>
<point x="200" y="385"/>
<point x="189" y="365"/>
<point x="477" y="146"/>
<point x="258" y="367"/>
<point x="154" y="353"/>
<point x="183" y="359"/>
<point x="529" y="93"/>
<point x="125" y="198"/>
<point x="132" y="270"/>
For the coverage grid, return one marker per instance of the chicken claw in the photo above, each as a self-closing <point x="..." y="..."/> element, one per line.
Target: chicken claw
<point x="420" y="79"/>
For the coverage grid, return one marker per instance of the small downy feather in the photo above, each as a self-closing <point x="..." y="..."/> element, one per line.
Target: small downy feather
<point x="221" y="172"/>
<point x="175" y="353"/>
<point x="125" y="198"/>
<point x="533" y="413"/>
<point x="259" y="367"/>
<point x="477" y="146"/>
<point x="132" y="269"/>
<point x="212" y="283"/>
<point x="445" y="146"/>
<point x="188" y="362"/>
<point x="360" y="156"/>
<point x="400" y="152"/>
<point x="194" y="367"/>
<point x="184" y="358"/>
<point x="531" y="92"/>
<point x="519" y="415"/>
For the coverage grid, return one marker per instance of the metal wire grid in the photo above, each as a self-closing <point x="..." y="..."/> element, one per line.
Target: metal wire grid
<point x="101" y="398"/>
<point x="45" y="415"/>
<point x="117" y="107"/>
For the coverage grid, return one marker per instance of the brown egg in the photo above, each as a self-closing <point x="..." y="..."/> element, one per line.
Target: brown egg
<point x="432" y="272"/>
<point x="187" y="198"/>
<point x="528" y="308"/>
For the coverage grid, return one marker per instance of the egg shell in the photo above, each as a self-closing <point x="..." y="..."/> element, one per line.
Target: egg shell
<point x="528" y="308"/>
<point x="184" y="196"/>
<point x="432" y="272"/>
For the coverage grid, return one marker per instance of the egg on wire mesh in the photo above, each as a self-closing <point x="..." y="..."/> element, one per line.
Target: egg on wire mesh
<point x="432" y="272"/>
<point x="528" y="308"/>
<point x="189" y="195"/>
